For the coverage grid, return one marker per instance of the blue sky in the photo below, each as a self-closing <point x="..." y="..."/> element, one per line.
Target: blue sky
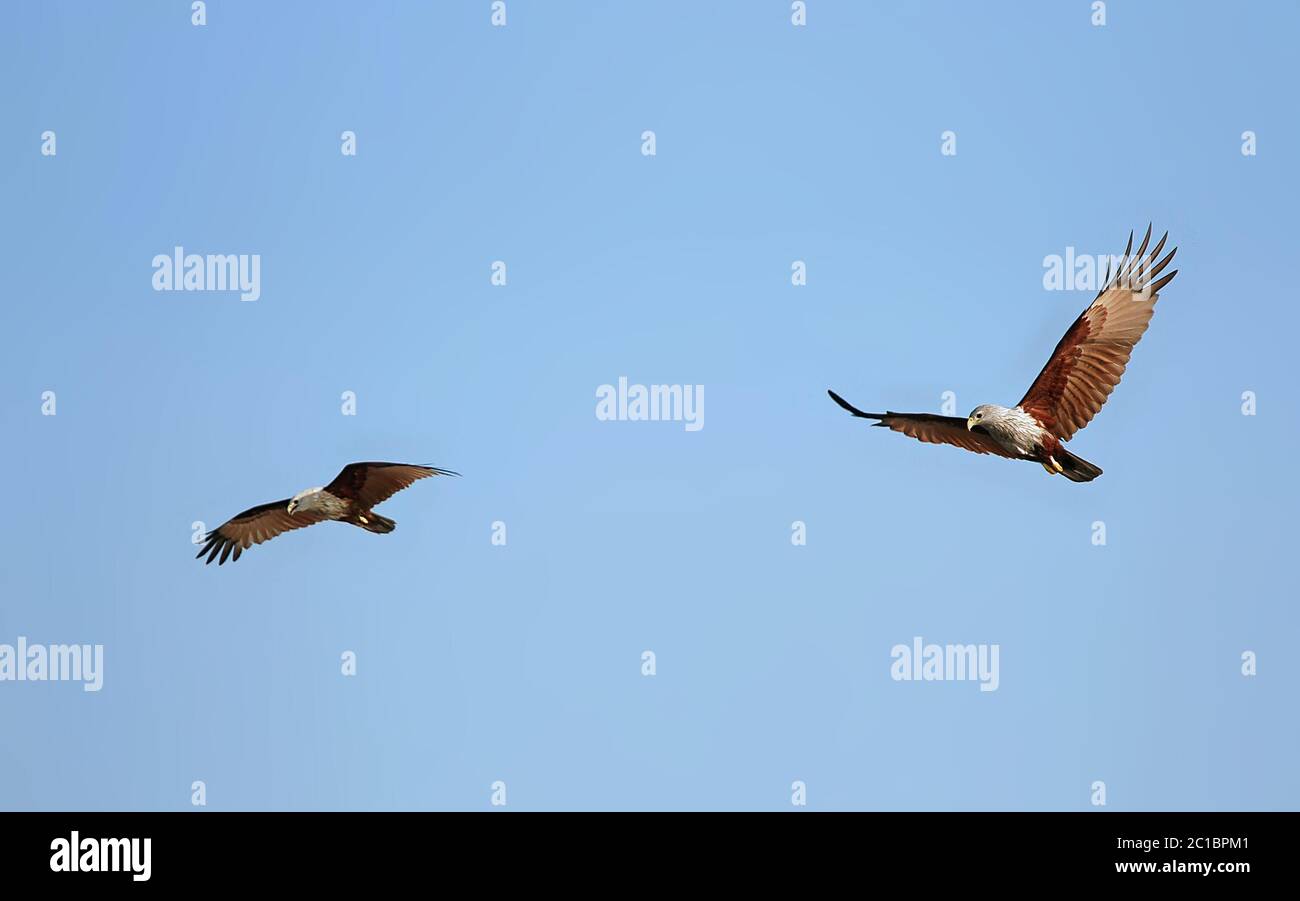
<point x="522" y="663"/>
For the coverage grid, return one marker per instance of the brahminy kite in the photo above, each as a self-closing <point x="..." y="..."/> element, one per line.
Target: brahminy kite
<point x="1081" y="373"/>
<point x="348" y="498"/>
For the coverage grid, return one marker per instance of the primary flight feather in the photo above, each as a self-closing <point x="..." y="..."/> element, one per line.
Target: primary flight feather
<point x="1083" y="370"/>
<point x="349" y="498"/>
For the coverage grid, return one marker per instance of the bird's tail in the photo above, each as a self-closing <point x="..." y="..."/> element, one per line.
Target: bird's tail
<point x="376" y="523"/>
<point x="1076" y="469"/>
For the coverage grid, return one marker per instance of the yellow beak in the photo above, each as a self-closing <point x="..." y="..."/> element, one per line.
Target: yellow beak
<point x="970" y="423"/>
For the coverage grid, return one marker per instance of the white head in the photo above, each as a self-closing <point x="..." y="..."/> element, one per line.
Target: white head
<point x="305" y="500"/>
<point x="988" y="415"/>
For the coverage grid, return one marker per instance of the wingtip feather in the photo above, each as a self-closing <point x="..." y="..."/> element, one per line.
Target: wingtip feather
<point x="852" y="409"/>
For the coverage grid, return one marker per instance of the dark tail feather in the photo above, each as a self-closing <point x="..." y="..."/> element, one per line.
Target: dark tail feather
<point x="1076" y="468"/>
<point x="376" y="523"/>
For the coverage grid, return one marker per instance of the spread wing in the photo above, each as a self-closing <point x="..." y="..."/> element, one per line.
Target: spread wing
<point x="1089" y="361"/>
<point x="931" y="429"/>
<point x="254" y="526"/>
<point x="373" y="483"/>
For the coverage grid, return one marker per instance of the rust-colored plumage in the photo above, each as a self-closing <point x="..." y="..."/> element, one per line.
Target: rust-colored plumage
<point x="931" y="428"/>
<point x="349" y="498"/>
<point x="373" y="483"/>
<point x="1089" y="360"/>
<point x="253" y="526"/>
<point x="1080" y="375"/>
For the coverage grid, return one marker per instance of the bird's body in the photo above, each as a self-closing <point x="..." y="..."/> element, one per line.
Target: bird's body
<point x="338" y="509"/>
<point x="349" y="498"/>
<point x="1083" y="370"/>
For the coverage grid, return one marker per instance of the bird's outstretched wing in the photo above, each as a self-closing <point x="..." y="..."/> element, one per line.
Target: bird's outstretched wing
<point x="931" y="428"/>
<point x="373" y="483"/>
<point x="253" y="526"/>
<point x="1089" y="361"/>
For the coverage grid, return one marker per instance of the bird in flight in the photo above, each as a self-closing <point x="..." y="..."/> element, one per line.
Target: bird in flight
<point x="1081" y="373"/>
<point x="349" y="498"/>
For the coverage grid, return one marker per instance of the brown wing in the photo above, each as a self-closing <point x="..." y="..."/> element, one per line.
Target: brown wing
<point x="373" y="483"/>
<point x="254" y="526"/>
<point x="1089" y="361"/>
<point x="931" y="429"/>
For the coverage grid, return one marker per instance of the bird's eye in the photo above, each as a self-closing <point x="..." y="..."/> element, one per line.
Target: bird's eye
<point x="979" y="415"/>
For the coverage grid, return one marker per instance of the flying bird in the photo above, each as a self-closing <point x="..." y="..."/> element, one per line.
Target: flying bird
<point x="349" y="498"/>
<point x="1081" y="373"/>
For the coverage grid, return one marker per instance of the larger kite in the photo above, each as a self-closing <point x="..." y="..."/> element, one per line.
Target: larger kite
<point x="1081" y="373"/>
<point x="348" y="498"/>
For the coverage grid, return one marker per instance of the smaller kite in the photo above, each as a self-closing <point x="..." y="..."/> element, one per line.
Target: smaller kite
<point x="348" y="498"/>
<point x="1083" y="370"/>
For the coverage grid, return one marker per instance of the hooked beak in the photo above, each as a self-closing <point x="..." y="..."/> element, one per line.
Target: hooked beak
<point x="293" y="505"/>
<point x="970" y="424"/>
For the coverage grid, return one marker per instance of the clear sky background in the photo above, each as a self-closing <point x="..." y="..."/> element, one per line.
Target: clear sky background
<point x="477" y="663"/>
